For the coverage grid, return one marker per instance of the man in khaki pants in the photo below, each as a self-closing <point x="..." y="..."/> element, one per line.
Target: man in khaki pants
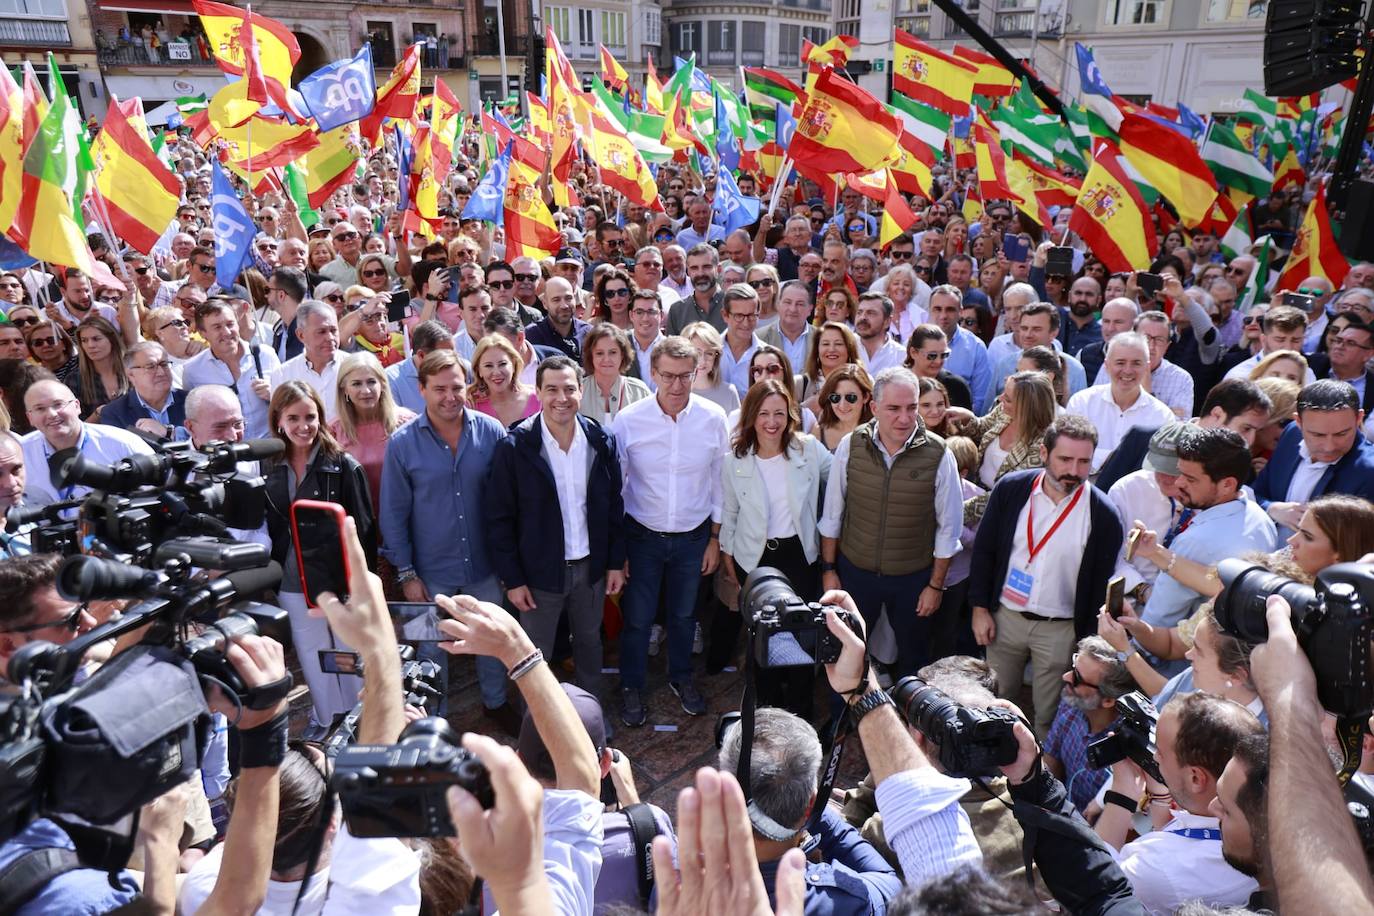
<point x="1046" y="547"/>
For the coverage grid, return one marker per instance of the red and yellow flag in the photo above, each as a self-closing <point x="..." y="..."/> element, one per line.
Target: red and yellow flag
<point x="653" y="88"/>
<point x="912" y="170"/>
<point x="833" y="53"/>
<point x="844" y="129"/>
<point x="1315" y="253"/>
<point x="1172" y="165"/>
<point x="1039" y="187"/>
<point x="140" y="192"/>
<point x="612" y="74"/>
<point x="530" y="230"/>
<point x="445" y="116"/>
<point x="993" y="80"/>
<point x="1289" y="171"/>
<point x="265" y="60"/>
<point x="330" y="165"/>
<point x="11" y="145"/>
<point x="620" y="164"/>
<point x="397" y="97"/>
<point x="897" y="217"/>
<point x="992" y="164"/>
<point x="932" y="77"/>
<point x="562" y="87"/>
<point x="1111" y="217"/>
<point x="271" y="142"/>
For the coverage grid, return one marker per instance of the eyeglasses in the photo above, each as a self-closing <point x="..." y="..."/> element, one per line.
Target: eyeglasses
<point x="160" y="364"/>
<point x="344" y="236"/>
<point x="108" y="300"/>
<point x="527" y="278"/>
<point x="1350" y="342"/>
<point x="375" y="273"/>
<point x="500" y="284"/>
<point x="936" y="357"/>
<point x="677" y="378"/>
<point x="761" y="284"/>
<point x="645" y="313"/>
<point x="898" y="255"/>
<point x="174" y="323"/>
<point x="612" y="243"/>
<point x="71" y="621"/>
<point x="42" y="341"/>
<point x="1077" y="680"/>
<point x="850" y="398"/>
<point x="39" y="410"/>
<point x="743" y="316"/>
<point x="23" y="322"/>
<point x="774" y="369"/>
<point x="378" y="318"/>
<point x="205" y="268"/>
<point x="334" y="297"/>
<point x="622" y="293"/>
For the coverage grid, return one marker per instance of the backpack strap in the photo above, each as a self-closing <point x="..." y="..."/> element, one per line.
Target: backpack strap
<point x="30" y="873"/>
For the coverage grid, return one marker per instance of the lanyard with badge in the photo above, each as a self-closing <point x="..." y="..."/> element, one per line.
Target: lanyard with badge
<point x="1020" y="581"/>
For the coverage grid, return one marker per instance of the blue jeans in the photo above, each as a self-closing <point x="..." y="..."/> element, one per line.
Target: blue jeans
<point x="491" y="673"/>
<point x="673" y="562"/>
<point x="872" y="592"/>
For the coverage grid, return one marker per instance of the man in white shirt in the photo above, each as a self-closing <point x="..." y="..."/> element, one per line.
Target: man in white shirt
<point x="675" y="280"/>
<point x="741" y="307"/>
<point x="55" y="414"/>
<point x="793" y="332"/>
<point x="231" y="361"/>
<point x="78" y="303"/>
<point x="474" y="306"/>
<point x="872" y="319"/>
<point x="1182" y="860"/>
<point x="1282" y="328"/>
<point x="1046" y="575"/>
<point x="646" y="330"/>
<point x="1113" y="409"/>
<point x="893" y="514"/>
<point x="671" y="449"/>
<point x="318" y="364"/>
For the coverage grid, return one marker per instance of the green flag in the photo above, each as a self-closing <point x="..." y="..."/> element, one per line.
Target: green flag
<point x="1232" y="164"/>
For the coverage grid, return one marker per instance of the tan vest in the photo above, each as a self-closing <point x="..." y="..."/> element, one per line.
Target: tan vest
<point x="889" y="514"/>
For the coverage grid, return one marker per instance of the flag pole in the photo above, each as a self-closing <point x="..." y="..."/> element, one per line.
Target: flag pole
<point x="248" y="18"/>
<point x="784" y="172"/>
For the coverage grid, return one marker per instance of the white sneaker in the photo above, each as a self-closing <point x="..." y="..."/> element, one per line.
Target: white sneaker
<point x="698" y="641"/>
<point x="656" y="635"/>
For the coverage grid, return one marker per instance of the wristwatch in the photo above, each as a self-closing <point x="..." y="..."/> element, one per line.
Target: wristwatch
<point x="1125" y="656"/>
<point x="827" y="567"/>
<point x="867" y="703"/>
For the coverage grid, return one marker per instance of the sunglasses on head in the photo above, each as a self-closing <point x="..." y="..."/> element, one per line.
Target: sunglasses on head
<point x="850" y="398"/>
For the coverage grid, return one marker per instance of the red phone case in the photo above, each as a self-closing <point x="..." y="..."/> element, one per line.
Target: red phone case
<point x="333" y="509"/>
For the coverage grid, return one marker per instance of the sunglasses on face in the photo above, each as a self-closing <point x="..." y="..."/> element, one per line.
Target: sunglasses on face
<point x="108" y="300"/>
<point x="23" y="322"/>
<point x="527" y="278"/>
<point x="174" y="323"/>
<point x="1251" y="319"/>
<point x="70" y="621"/>
<point x="345" y="236"/>
<point x="375" y="273"/>
<point x="761" y="284"/>
<point x="500" y="284"/>
<point x="663" y="237"/>
<point x="141" y="270"/>
<point x="968" y="322"/>
<point x="922" y="270"/>
<point x="1310" y="291"/>
<point x="622" y="293"/>
<point x="901" y="255"/>
<point x="206" y="268"/>
<point x="1076" y="679"/>
<point x="850" y="398"/>
<point x="43" y="341"/>
<point x="335" y="298"/>
<point x="936" y="357"/>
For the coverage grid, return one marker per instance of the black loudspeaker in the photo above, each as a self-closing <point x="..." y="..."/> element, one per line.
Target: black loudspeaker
<point x="1357" y="229"/>
<point x="1311" y="44"/>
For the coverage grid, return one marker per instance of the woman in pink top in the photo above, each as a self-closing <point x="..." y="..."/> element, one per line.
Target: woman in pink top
<point x="367" y="415"/>
<point x="497" y="391"/>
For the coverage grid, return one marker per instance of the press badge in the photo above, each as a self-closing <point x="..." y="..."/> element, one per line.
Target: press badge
<point x="1017" y="591"/>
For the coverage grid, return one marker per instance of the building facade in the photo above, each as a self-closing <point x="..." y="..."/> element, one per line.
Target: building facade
<point x="728" y="34"/>
<point x="29" y="29"/>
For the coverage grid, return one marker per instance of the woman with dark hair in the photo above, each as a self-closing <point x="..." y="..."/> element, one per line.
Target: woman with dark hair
<point x="772" y="479"/>
<point x="606" y="389"/>
<point x="52" y="348"/>
<point x="16" y="377"/>
<point x="837" y="306"/>
<point x="1047" y="361"/>
<point x="613" y="291"/>
<point x="836" y="345"/>
<point x="313" y="467"/>
<point x="846" y="402"/>
<point x="100" y="365"/>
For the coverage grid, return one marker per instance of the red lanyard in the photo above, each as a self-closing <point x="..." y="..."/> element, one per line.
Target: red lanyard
<point x="1033" y="548"/>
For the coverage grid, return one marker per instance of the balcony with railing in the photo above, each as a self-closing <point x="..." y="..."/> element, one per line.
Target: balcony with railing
<point x="177" y="54"/>
<point x="1014" y="24"/>
<point x="916" y="25"/>
<point x="38" y="33"/>
<point x="751" y="58"/>
<point x="822" y="5"/>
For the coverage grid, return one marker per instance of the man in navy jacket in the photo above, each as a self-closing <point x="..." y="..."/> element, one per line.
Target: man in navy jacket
<point x="1047" y="544"/>
<point x="150" y="404"/>
<point x="554" y="518"/>
<point x="1322" y="452"/>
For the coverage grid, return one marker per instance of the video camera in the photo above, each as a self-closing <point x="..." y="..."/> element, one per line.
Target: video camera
<point x="972" y="742"/>
<point x="421" y="684"/>
<point x="93" y="753"/>
<point x="399" y="790"/>
<point x="141" y="501"/>
<point x="1332" y="620"/>
<point x="1130" y="737"/>
<point x="784" y="630"/>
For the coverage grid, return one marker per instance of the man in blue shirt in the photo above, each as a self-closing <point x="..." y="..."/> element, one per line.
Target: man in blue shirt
<point x="968" y="356"/>
<point x="404" y="377"/>
<point x="431" y="510"/>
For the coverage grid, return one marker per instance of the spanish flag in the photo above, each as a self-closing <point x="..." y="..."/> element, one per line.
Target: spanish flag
<point x="912" y="170"/>
<point x="993" y="80"/>
<point x="833" y="53"/>
<point x="1289" y="171"/>
<point x="897" y="217"/>
<point x="992" y="164"/>
<point x="562" y="87"/>
<point x="612" y="74"/>
<point x="530" y="231"/>
<point x="1314" y="250"/>
<point x="844" y="129"/>
<point x="330" y="165"/>
<point x="397" y="98"/>
<point x="45" y="225"/>
<point x="228" y="29"/>
<point x="1171" y="163"/>
<point x="11" y="145"/>
<point x="932" y="77"/>
<point x="620" y="165"/>
<point x="255" y="143"/>
<point x="1111" y="216"/>
<point x="444" y="120"/>
<point x="140" y="192"/>
<point x="653" y="87"/>
<point x="1039" y="187"/>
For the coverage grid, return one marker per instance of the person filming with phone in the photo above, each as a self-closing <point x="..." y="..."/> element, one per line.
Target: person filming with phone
<point x="314" y="467"/>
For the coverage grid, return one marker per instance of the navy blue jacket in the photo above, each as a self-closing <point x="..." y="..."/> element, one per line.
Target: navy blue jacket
<point x="525" y="521"/>
<point x="1353" y="474"/>
<point x="992" y="549"/>
<point x="1128" y="456"/>
<point x="126" y="410"/>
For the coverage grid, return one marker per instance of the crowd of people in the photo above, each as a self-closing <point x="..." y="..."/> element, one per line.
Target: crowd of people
<point x="585" y="456"/>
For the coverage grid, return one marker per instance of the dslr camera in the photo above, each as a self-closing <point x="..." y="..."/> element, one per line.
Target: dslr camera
<point x="398" y="790"/>
<point x="972" y="742"/>
<point x="1131" y="736"/>
<point x="784" y="630"/>
<point x="1331" y="619"/>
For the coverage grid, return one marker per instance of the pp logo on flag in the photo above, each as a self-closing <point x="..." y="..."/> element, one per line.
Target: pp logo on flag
<point x="785" y="132"/>
<point x="230" y="234"/>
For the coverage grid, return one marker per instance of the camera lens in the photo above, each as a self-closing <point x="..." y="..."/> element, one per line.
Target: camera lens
<point x="764" y="587"/>
<point x="923" y="706"/>
<point x="1240" y="608"/>
<point x="431" y="726"/>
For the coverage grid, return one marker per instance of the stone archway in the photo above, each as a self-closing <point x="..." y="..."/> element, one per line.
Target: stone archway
<point x="313" y="56"/>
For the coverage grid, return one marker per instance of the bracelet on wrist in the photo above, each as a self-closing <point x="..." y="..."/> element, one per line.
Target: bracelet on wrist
<point x="1173" y="558"/>
<point x="1121" y="800"/>
<point x="525" y="665"/>
<point x="264" y="745"/>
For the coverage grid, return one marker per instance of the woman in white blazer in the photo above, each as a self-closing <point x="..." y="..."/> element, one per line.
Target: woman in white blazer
<point x="772" y="483"/>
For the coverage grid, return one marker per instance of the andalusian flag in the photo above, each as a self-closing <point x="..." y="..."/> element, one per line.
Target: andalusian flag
<point x="1171" y="163"/>
<point x="329" y="166"/>
<point x="1232" y="164"/>
<point x="140" y="192"/>
<point x="764" y="89"/>
<point x="1111" y="217"/>
<point x="1074" y="149"/>
<point x="993" y="80"/>
<point x="1259" y="110"/>
<point x="931" y="77"/>
<point x="844" y="129"/>
<point x="294" y="182"/>
<point x="45" y="225"/>
<point x="1315" y="253"/>
<point x="1029" y="130"/>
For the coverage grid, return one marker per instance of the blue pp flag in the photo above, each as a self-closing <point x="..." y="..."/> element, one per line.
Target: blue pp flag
<point x="488" y="200"/>
<point x="12" y="257"/>
<point x="405" y="157"/>
<point x="727" y="148"/>
<point x="1089" y="76"/>
<point x="962" y="126"/>
<point x="732" y="208"/>
<point x="1190" y="119"/>
<point x="342" y="92"/>
<point x="787" y="126"/>
<point x="234" y="228"/>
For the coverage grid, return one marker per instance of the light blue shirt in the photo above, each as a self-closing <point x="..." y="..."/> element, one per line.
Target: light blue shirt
<point x="404" y="378"/>
<point x="925" y="825"/>
<point x="736" y="372"/>
<point x="1005" y="365"/>
<point x="968" y="359"/>
<point x="98" y="444"/>
<point x="431" y="514"/>
<point x="205" y="368"/>
<point x="689" y="237"/>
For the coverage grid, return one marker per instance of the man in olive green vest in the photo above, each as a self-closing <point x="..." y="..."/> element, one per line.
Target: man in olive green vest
<point x="892" y="518"/>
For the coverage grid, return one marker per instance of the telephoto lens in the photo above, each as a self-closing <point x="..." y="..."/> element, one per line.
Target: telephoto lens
<point x="972" y="742"/>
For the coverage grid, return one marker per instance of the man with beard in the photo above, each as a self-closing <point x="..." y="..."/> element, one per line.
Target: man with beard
<point x="1087" y="708"/>
<point x="1040" y="566"/>
<point x="1241" y="808"/>
<point x="1078" y="324"/>
<point x="706" y="303"/>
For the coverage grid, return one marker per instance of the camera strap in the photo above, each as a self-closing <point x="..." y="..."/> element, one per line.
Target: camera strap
<point x="29" y="873"/>
<point x="643" y="829"/>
